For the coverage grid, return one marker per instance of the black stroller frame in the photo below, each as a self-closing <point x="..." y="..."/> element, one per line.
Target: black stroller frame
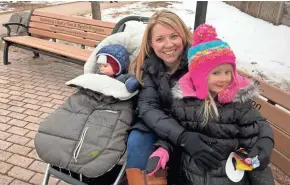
<point x="50" y="171"/>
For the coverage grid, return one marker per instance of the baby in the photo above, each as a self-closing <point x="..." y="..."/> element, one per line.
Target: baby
<point x="113" y="61"/>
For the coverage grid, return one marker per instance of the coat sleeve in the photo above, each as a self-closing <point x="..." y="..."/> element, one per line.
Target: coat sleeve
<point x="253" y="123"/>
<point x="150" y="111"/>
<point x="164" y="144"/>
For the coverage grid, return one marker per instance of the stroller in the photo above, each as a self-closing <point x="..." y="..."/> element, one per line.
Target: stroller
<point x="114" y="173"/>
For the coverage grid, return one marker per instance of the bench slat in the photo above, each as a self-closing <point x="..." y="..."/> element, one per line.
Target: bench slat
<point x="270" y="92"/>
<point x="281" y="161"/>
<point x="57" y="48"/>
<point x="274" y="114"/>
<point x="58" y="29"/>
<point x="64" y="37"/>
<point x="79" y="51"/>
<point x="76" y="19"/>
<point x="79" y="26"/>
<point x="282" y="140"/>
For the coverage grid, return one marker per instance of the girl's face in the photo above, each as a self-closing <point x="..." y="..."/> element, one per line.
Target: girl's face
<point x="166" y="43"/>
<point x="219" y="78"/>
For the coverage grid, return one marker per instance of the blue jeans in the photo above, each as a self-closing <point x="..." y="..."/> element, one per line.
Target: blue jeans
<point x="139" y="148"/>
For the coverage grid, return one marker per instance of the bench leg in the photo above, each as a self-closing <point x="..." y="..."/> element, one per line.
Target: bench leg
<point x="36" y="55"/>
<point x="5" y="53"/>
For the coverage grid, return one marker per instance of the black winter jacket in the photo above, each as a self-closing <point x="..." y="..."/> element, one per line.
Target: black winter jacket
<point x="239" y="125"/>
<point x="154" y="100"/>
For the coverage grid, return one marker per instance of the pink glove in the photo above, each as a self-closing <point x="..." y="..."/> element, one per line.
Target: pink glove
<point x="157" y="160"/>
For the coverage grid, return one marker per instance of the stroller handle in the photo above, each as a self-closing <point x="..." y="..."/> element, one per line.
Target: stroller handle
<point x="119" y="27"/>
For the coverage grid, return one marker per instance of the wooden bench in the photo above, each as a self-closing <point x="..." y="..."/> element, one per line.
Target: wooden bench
<point x="44" y="26"/>
<point x="274" y="105"/>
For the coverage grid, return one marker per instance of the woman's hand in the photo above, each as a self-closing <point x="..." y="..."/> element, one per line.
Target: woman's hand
<point x="157" y="160"/>
<point x="198" y="147"/>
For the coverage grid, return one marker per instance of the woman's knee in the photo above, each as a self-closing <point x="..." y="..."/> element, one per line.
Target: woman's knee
<point x="139" y="147"/>
<point x="140" y="139"/>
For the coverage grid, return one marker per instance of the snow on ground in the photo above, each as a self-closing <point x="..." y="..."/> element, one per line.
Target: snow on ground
<point x="260" y="47"/>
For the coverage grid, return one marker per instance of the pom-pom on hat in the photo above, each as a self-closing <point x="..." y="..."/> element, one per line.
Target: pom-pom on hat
<point x="206" y="53"/>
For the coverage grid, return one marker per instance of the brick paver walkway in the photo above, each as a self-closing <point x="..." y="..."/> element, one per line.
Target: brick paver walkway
<point x="29" y="90"/>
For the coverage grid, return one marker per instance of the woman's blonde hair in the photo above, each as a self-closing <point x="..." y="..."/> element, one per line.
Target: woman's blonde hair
<point x="163" y="17"/>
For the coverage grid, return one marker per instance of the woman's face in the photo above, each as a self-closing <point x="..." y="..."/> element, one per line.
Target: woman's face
<point x="166" y="43"/>
<point x="220" y="77"/>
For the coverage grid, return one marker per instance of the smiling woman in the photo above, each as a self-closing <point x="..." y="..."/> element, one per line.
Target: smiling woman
<point x="161" y="62"/>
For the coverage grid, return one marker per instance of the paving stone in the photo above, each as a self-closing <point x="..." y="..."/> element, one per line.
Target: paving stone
<point x="19" y="160"/>
<point x="18" y="139"/>
<point x="17" y="130"/>
<point x="4" y="155"/>
<point x="38" y="178"/>
<point x="5" y="180"/>
<point x="21" y="173"/>
<point x="18" y="149"/>
<point x="38" y="166"/>
<point x="18" y="123"/>
<point x="31" y="134"/>
<point x="4" y="167"/>
<point x="19" y="182"/>
<point x="4" y="126"/>
<point x="4" y="135"/>
<point x="4" y="145"/>
<point x="33" y="154"/>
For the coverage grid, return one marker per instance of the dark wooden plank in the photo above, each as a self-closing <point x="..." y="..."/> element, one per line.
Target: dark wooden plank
<point x="61" y="49"/>
<point x="64" y="30"/>
<point x="281" y="161"/>
<point x="274" y="114"/>
<point x="63" y="37"/>
<point x="77" y="26"/>
<point x="282" y="140"/>
<point x="100" y="23"/>
<point x="275" y="94"/>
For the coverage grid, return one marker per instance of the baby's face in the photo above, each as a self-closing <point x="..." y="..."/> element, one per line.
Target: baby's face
<point x="106" y="69"/>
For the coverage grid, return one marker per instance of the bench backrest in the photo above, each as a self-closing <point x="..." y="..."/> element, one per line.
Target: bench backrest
<point x="83" y="31"/>
<point x="274" y="105"/>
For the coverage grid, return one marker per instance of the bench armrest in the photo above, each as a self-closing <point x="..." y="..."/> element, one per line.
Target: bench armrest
<point x="7" y="26"/>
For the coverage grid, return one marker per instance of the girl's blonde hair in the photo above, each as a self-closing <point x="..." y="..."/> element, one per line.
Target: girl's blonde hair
<point x="209" y="109"/>
<point x="163" y="17"/>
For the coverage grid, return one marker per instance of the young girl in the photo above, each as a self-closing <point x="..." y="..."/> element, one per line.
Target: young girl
<point x="213" y="101"/>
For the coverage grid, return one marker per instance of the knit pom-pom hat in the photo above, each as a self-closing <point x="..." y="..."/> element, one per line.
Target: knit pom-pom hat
<point x="206" y="53"/>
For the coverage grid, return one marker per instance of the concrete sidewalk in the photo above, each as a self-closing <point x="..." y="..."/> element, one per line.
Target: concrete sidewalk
<point x="76" y="8"/>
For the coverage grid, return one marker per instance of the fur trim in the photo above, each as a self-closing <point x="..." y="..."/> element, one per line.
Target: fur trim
<point x="102" y="84"/>
<point x="176" y="91"/>
<point x="241" y="96"/>
<point x="246" y="93"/>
